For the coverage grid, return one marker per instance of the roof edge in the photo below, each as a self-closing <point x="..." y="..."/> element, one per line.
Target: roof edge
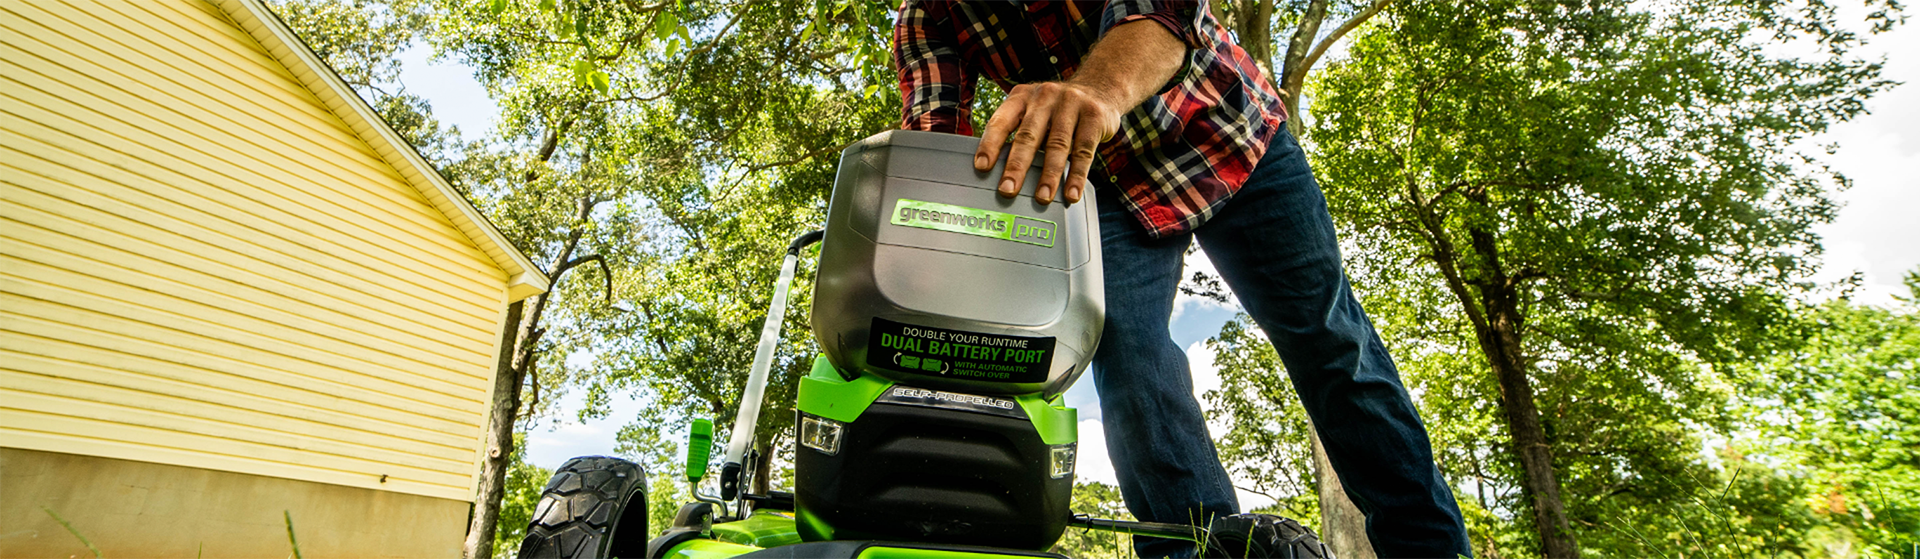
<point x="524" y="278"/>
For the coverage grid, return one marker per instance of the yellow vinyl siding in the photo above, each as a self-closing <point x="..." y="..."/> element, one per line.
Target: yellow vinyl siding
<point x="201" y="264"/>
<point x="203" y="258"/>
<point x="80" y="82"/>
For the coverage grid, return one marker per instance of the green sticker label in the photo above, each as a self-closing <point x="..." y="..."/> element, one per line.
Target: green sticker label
<point x="960" y="354"/>
<point x="974" y="221"/>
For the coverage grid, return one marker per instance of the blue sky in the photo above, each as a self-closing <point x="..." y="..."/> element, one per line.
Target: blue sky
<point x="1877" y="234"/>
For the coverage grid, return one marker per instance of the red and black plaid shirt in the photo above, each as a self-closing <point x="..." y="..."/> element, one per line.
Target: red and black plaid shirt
<point x="1179" y="156"/>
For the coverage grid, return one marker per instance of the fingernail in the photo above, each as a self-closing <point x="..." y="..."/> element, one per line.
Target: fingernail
<point x="980" y="162"/>
<point x="1044" y="195"/>
<point x="1007" y="187"/>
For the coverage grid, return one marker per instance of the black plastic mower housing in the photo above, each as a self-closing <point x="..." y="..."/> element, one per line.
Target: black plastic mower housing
<point x="935" y="475"/>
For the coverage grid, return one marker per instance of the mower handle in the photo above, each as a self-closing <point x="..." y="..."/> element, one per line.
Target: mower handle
<point x="748" y="419"/>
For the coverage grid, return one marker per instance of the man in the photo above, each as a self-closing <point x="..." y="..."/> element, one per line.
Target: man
<point x="1152" y="106"/>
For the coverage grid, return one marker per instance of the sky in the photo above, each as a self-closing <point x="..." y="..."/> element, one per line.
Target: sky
<point x="1876" y="234"/>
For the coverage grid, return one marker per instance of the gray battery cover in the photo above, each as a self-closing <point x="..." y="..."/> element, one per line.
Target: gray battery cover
<point x="929" y="277"/>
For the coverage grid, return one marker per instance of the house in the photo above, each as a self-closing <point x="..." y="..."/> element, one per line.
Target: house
<point x="231" y="298"/>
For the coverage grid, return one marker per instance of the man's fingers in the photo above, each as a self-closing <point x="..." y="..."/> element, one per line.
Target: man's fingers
<point x="1059" y="143"/>
<point x="1086" y="140"/>
<point x="1026" y="139"/>
<point x="1002" y="123"/>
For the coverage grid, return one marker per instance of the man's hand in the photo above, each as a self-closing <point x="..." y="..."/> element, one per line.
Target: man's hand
<point x="1070" y="119"/>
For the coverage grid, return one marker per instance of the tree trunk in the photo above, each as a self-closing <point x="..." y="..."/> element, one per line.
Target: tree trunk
<point x="1530" y="442"/>
<point x="518" y="339"/>
<point x="762" y="471"/>
<point x="1499" y="338"/>
<point x="1342" y="526"/>
<point x="1496" y="319"/>
<point x="499" y="443"/>
<point x="513" y="369"/>
<point x="1293" y="70"/>
<point x="1253" y="23"/>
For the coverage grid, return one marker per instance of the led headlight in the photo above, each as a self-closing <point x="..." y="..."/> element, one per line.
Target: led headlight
<point x="1062" y="461"/>
<point x="821" y="434"/>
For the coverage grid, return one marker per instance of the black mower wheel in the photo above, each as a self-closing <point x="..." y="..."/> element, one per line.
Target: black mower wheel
<point x="594" y="507"/>
<point x="1262" y="535"/>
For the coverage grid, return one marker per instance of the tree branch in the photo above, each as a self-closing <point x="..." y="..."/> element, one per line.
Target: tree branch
<point x="797" y="160"/>
<point x="1341" y="31"/>
<point x="605" y="274"/>
<point x="547" y="147"/>
<point x="1292" y="69"/>
<point x="646" y="309"/>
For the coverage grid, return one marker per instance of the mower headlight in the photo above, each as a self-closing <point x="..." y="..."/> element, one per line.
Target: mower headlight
<point x="820" y="434"/>
<point x="1062" y="461"/>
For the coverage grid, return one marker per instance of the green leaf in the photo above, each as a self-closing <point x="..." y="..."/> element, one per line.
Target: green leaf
<point x="601" y="82"/>
<point x="665" y="23"/>
<point x="582" y="69"/>
<point x="673" y="47"/>
<point x="547" y="6"/>
<point x="808" y="32"/>
<point x="497" y="7"/>
<point x="871" y="89"/>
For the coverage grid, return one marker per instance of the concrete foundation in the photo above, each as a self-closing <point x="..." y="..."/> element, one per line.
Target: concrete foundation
<point x="139" y="509"/>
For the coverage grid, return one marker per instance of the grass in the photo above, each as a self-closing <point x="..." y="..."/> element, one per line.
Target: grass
<point x="295" y="542"/>
<point x="70" y="530"/>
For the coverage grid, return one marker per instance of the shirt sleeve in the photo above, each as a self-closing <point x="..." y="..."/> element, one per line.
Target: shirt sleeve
<point x="936" y="90"/>
<point x="1182" y="18"/>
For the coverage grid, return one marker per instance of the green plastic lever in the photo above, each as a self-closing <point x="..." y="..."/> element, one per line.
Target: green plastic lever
<point x="699" y="449"/>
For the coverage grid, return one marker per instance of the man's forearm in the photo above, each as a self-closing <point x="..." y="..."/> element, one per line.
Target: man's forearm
<point x="1131" y="63"/>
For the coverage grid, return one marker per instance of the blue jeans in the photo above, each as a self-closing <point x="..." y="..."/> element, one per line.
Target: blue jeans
<point x="1274" y="245"/>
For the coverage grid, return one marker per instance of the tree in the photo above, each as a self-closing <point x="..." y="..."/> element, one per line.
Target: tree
<point x="1845" y="409"/>
<point x="1098" y="500"/>
<point x="1267" y="439"/>
<point x="666" y="150"/>
<point x="1603" y="202"/>
<point x="522" y="497"/>
<point x="1253" y="21"/>
<point x="361" y="40"/>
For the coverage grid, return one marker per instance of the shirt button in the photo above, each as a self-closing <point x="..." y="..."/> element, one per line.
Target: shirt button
<point x="1053" y="59"/>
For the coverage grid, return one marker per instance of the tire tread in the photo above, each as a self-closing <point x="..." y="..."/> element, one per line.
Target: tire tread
<point x="580" y="507"/>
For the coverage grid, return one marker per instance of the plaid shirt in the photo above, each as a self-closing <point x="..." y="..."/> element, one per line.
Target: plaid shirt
<point x="1178" y="157"/>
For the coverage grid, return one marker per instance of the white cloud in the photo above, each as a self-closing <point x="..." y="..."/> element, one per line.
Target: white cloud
<point x="1876" y="232"/>
<point x="549" y="445"/>
<point x="1184" y="303"/>
<point x="1206" y="376"/>
<point x="1094" y="464"/>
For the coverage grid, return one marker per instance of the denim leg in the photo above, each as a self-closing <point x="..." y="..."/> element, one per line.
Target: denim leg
<point x="1274" y="245"/>
<point x="1164" y="458"/>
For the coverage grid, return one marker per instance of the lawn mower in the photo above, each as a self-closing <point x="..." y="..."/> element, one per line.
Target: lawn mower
<point x="951" y="320"/>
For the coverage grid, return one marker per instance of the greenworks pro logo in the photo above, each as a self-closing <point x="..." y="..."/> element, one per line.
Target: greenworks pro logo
<point x="974" y="221"/>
